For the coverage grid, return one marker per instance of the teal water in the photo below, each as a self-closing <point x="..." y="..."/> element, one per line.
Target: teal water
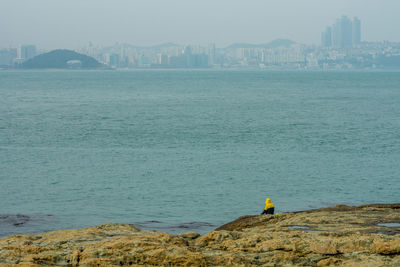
<point x="190" y="150"/>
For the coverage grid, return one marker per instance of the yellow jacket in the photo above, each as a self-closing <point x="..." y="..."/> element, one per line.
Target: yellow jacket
<point x="268" y="204"/>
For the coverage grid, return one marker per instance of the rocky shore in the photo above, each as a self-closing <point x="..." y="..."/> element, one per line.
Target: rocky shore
<point x="367" y="235"/>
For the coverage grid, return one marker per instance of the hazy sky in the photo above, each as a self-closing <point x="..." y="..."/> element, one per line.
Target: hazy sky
<point x="73" y="23"/>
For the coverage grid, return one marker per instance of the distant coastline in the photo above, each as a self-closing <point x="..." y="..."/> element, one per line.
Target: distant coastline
<point x="281" y="54"/>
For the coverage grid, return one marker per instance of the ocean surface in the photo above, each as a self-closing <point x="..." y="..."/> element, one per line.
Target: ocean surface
<point x="190" y="150"/>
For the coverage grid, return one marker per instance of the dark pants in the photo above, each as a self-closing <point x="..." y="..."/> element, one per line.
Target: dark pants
<point x="269" y="211"/>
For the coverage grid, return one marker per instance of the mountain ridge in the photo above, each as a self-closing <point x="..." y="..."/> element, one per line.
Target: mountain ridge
<point x="273" y="44"/>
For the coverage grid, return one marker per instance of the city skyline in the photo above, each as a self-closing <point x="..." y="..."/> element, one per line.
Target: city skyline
<point x="342" y="47"/>
<point x="72" y="24"/>
<point x="281" y="54"/>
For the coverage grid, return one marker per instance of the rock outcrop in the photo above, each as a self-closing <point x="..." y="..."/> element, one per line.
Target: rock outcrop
<point x="341" y="236"/>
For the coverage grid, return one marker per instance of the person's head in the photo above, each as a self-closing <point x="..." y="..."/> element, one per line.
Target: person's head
<point x="268" y="200"/>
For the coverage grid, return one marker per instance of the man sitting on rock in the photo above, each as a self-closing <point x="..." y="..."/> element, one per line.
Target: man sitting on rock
<point x="269" y="207"/>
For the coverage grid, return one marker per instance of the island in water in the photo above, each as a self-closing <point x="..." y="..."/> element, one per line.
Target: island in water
<point x="62" y="59"/>
<point x="367" y="235"/>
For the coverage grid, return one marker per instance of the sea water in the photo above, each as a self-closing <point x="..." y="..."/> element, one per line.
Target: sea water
<point x="188" y="150"/>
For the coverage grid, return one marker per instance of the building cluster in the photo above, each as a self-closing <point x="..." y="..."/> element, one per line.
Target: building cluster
<point x="15" y="56"/>
<point x="361" y="55"/>
<point x="162" y="56"/>
<point x="341" y="48"/>
<point x="344" y="33"/>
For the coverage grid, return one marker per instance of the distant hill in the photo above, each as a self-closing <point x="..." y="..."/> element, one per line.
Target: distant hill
<point x="273" y="44"/>
<point x="62" y="59"/>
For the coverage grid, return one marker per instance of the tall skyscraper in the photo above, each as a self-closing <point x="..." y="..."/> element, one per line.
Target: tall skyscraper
<point x="335" y="34"/>
<point x="344" y="32"/>
<point x="356" y="31"/>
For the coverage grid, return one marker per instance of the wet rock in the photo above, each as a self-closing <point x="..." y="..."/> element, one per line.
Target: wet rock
<point x="20" y="223"/>
<point x="15" y="220"/>
<point x="189" y="235"/>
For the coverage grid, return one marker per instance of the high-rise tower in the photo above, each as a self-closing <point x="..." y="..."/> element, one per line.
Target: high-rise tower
<point x="344" y="32"/>
<point x="356" y="31"/>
